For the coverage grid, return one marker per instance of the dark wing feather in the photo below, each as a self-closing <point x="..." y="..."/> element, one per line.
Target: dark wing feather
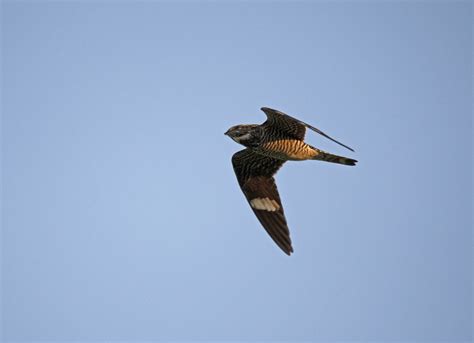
<point x="255" y="175"/>
<point x="291" y="126"/>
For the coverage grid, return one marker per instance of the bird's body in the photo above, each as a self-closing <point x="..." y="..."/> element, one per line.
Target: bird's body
<point x="288" y="149"/>
<point x="268" y="146"/>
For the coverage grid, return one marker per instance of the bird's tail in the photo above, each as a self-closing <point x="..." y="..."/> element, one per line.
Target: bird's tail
<point x="325" y="156"/>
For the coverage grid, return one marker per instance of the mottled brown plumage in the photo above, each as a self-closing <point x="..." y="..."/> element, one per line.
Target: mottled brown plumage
<point x="279" y="139"/>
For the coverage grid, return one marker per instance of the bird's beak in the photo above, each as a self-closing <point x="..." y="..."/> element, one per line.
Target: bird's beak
<point x="226" y="133"/>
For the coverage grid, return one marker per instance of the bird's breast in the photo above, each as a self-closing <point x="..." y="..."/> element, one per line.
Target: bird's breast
<point x="288" y="149"/>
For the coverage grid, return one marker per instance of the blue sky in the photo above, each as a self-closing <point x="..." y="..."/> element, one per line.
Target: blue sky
<point x="121" y="214"/>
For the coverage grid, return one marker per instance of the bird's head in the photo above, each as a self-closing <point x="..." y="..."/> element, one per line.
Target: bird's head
<point x="247" y="135"/>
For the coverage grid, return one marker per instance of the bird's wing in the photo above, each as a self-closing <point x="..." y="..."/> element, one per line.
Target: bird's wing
<point x="255" y="175"/>
<point x="291" y="126"/>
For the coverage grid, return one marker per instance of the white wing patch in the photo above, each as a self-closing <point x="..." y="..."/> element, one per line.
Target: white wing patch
<point x="264" y="204"/>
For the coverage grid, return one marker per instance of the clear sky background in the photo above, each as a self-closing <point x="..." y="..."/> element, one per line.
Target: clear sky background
<point x="122" y="217"/>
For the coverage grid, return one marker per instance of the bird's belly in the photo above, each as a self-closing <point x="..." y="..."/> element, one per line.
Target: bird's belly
<point x="288" y="149"/>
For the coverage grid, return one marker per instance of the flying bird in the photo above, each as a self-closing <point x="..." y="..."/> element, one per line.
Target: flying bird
<point x="267" y="146"/>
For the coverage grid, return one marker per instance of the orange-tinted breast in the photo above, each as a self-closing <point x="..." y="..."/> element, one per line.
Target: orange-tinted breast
<point x="289" y="149"/>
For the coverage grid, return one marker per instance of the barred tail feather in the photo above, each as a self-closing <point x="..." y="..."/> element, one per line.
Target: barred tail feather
<point x="325" y="156"/>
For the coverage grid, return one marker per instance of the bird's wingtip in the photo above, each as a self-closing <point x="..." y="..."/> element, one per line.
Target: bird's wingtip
<point x="288" y="251"/>
<point x="267" y="109"/>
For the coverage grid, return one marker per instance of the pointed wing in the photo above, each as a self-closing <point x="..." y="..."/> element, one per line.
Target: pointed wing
<point x="255" y="175"/>
<point x="291" y="126"/>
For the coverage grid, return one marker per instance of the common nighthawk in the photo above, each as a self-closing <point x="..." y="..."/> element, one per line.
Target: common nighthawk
<point x="279" y="139"/>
